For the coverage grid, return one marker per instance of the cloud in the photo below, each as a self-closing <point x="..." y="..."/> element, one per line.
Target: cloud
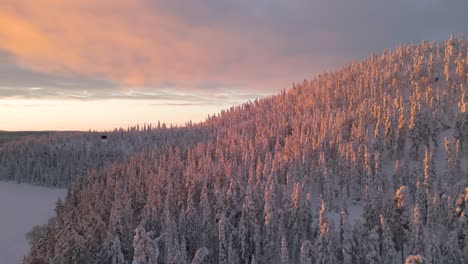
<point x="130" y="42"/>
<point x="17" y="83"/>
<point x="166" y="50"/>
<point x="27" y="105"/>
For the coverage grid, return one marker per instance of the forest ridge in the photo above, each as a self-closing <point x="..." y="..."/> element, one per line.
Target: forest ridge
<point x="275" y="180"/>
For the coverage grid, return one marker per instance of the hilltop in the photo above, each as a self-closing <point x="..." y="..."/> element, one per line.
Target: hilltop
<point x="274" y="180"/>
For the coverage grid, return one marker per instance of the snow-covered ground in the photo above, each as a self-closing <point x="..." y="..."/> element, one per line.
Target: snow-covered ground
<point x="22" y="206"/>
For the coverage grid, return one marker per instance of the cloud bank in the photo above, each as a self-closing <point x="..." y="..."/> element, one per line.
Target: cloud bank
<point x="173" y="50"/>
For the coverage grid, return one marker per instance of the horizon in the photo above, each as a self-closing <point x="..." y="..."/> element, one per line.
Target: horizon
<point x="81" y="65"/>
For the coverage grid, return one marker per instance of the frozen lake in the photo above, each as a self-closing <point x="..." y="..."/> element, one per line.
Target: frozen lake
<point x="22" y="206"/>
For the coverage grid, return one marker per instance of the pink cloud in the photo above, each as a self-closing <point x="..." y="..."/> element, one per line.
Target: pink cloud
<point x="243" y="44"/>
<point x="137" y="44"/>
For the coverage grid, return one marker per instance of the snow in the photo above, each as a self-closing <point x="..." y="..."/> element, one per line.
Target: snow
<point x="22" y="206"/>
<point x="354" y="212"/>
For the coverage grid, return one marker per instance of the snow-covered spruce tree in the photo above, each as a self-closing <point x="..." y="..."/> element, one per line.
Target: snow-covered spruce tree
<point x="417" y="232"/>
<point x="270" y="244"/>
<point x="222" y="240"/>
<point x="145" y="249"/>
<point x="206" y="216"/>
<point x="461" y="123"/>
<point x="433" y="249"/>
<point x="253" y="260"/>
<point x="451" y="251"/>
<point x="200" y="256"/>
<point x="463" y="213"/>
<point x="453" y="172"/>
<point x="373" y="247"/>
<point x="402" y="174"/>
<point x="415" y="127"/>
<point x="387" y="250"/>
<point x="247" y="226"/>
<point x="430" y="176"/>
<point x="182" y="257"/>
<point x="284" y="251"/>
<point x="324" y="245"/>
<point x="374" y="187"/>
<point x="415" y="259"/>
<point x="360" y="233"/>
<point x="307" y="253"/>
<point x="120" y="217"/>
<point x="436" y="123"/>
<point x="346" y="236"/>
<point x="300" y="218"/>
<point x="111" y="252"/>
<point x="402" y="128"/>
<point x="421" y="201"/>
<point x="400" y="220"/>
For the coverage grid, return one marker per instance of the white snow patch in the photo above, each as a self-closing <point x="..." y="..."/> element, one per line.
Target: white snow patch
<point x="22" y="206"/>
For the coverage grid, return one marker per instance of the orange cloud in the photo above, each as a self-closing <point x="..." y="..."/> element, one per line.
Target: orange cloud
<point x="135" y="43"/>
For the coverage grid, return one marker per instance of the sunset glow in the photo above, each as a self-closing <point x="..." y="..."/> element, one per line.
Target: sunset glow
<point x="143" y="61"/>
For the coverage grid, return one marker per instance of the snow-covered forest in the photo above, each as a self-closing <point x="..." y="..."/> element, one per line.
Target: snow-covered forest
<point x="367" y="164"/>
<point x="57" y="158"/>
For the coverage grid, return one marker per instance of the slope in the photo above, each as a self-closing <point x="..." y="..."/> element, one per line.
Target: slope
<point x="386" y="134"/>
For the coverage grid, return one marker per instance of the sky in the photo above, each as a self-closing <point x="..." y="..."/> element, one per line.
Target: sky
<point x="86" y="64"/>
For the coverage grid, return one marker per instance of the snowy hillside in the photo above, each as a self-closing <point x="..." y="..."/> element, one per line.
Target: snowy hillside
<point x="367" y="164"/>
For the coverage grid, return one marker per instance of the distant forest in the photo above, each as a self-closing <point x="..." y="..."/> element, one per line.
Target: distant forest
<point x="6" y="136"/>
